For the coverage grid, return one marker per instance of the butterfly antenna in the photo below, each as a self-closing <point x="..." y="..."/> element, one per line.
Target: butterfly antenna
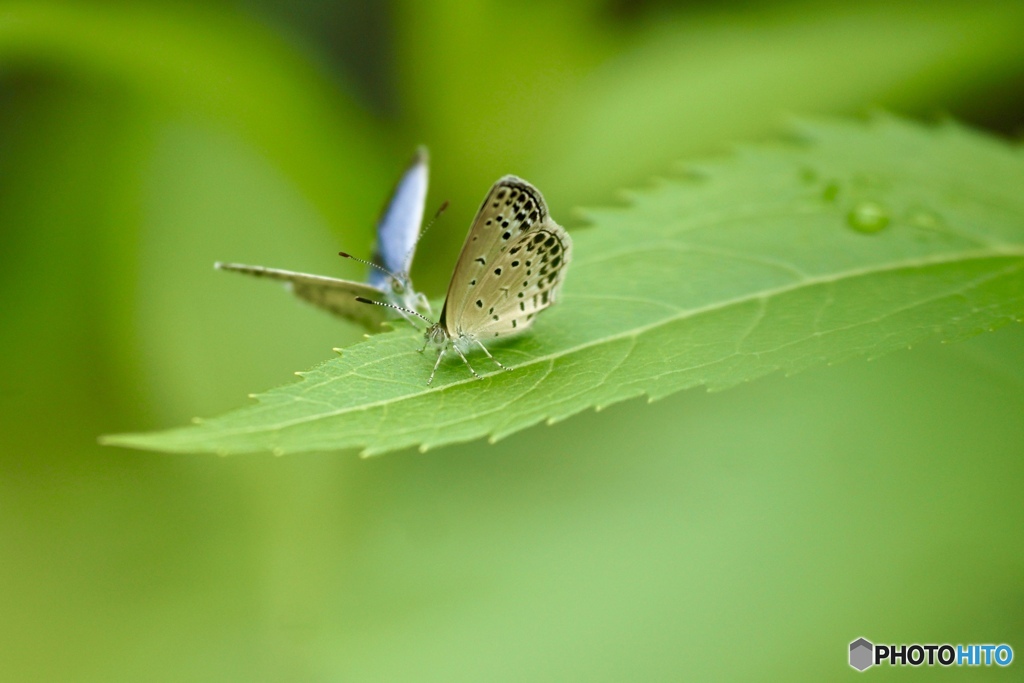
<point x="437" y="214"/>
<point x="364" y="300"/>
<point x="441" y="209"/>
<point x="371" y="264"/>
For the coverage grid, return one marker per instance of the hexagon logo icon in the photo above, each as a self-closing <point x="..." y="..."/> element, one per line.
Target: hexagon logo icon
<point x="861" y="651"/>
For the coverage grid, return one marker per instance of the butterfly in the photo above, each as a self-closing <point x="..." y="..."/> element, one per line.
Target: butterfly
<point x="511" y="268"/>
<point x="397" y="233"/>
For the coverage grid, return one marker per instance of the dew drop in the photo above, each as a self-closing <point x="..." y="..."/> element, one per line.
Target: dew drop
<point x="868" y="217"/>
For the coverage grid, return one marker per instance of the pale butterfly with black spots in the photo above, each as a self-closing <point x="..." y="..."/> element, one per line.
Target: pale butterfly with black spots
<point x="511" y="268"/>
<point x="397" y="233"/>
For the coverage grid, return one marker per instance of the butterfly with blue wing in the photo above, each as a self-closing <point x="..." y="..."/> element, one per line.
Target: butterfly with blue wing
<point x="388" y="281"/>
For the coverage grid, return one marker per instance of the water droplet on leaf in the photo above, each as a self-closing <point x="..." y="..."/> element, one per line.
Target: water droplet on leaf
<point x="868" y="217"/>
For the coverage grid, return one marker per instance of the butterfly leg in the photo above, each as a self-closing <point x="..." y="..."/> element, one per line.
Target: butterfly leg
<point x="463" y="357"/>
<point x="478" y="343"/>
<point x="440" y="355"/>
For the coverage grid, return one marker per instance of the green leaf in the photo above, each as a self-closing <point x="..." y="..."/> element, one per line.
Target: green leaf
<point x="856" y="240"/>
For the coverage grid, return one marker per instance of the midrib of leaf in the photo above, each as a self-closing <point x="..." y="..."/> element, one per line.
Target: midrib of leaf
<point x="595" y="349"/>
<point x="995" y="253"/>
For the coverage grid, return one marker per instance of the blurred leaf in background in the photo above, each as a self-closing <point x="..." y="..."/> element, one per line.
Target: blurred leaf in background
<point x="140" y="142"/>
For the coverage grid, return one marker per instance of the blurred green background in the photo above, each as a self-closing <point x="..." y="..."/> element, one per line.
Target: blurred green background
<point x="746" y="535"/>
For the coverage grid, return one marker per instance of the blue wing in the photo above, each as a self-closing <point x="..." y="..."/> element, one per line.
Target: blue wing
<point x="399" y="225"/>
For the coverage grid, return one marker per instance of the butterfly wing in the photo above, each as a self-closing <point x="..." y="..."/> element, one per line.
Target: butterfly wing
<point x="331" y="294"/>
<point x="512" y="264"/>
<point x="399" y="225"/>
<point x="397" y="232"/>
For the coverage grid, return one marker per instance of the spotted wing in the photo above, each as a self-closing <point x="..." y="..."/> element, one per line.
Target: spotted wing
<point x="512" y="264"/>
<point x="399" y="225"/>
<point x="330" y="294"/>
